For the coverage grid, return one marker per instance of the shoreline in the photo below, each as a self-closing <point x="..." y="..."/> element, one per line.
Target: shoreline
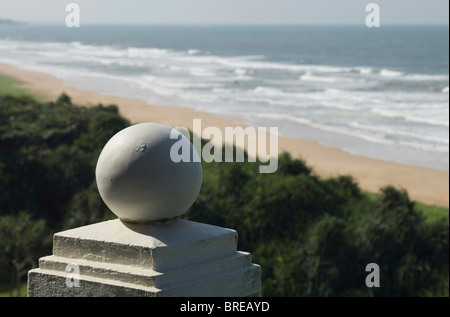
<point x="426" y="185"/>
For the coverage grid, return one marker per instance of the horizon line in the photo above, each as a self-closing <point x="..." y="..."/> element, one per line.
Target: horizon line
<point x="27" y="23"/>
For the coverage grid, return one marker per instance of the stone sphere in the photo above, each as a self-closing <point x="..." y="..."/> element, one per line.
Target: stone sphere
<point x="141" y="178"/>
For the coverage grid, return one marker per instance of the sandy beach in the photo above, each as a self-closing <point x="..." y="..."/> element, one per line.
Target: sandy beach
<point x="423" y="184"/>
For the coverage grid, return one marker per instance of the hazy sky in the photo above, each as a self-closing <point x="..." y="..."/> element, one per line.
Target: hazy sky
<point x="227" y="11"/>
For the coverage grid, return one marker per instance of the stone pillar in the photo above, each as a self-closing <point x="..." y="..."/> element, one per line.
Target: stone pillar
<point x="148" y="250"/>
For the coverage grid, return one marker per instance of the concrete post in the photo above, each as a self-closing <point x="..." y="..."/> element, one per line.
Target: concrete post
<point x="148" y="250"/>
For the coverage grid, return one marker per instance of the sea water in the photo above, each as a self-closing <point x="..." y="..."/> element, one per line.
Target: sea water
<point x="379" y="92"/>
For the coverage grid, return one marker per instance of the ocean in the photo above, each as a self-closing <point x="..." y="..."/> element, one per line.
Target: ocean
<point x="378" y="92"/>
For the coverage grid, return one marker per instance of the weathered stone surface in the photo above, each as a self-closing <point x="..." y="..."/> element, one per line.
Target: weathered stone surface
<point x="181" y="258"/>
<point x="140" y="180"/>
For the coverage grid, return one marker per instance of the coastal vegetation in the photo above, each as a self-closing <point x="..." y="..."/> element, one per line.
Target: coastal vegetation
<point x="311" y="236"/>
<point x="10" y="86"/>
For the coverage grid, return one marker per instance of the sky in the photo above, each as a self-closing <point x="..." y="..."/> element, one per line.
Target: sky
<point x="227" y="11"/>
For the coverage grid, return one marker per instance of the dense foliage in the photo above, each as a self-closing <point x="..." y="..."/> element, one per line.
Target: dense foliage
<point x="314" y="237"/>
<point x="48" y="153"/>
<point x="311" y="236"/>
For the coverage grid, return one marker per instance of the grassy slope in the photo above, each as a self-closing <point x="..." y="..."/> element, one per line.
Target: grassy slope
<point x="432" y="213"/>
<point x="12" y="86"/>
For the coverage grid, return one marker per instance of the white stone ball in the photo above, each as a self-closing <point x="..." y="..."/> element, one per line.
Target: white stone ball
<point x="137" y="178"/>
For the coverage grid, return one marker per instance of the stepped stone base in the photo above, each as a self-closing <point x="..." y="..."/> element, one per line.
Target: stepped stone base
<point x="114" y="258"/>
